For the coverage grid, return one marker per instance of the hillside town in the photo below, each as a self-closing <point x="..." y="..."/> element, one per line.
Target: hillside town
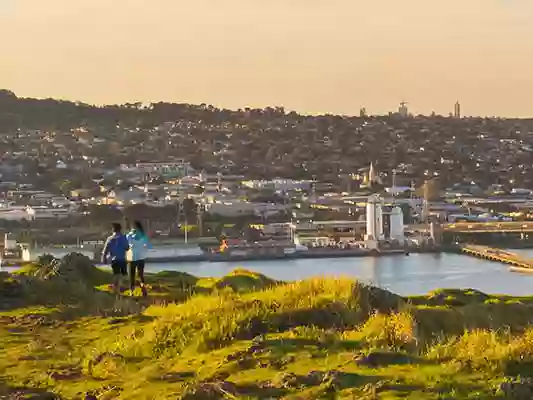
<point x="67" y="169"/>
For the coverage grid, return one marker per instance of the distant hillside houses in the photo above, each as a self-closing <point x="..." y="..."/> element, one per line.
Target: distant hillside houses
<point x="278" y="184"/>
<point x="178" y="168"/>
<point x="27" y="213"/>
<point x="238" y="208"/>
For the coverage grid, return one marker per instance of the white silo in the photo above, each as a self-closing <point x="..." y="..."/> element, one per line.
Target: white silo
<point x="371" y="231"/>
<point x="379" y="221"/>
<point x="10" y="242"/>
<point x="396" y="224"/>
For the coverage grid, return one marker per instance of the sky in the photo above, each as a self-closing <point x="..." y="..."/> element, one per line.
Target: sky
<point x="311" y="56"/>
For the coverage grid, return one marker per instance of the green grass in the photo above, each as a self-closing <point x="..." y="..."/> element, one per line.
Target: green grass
<point x="246" y="336"/>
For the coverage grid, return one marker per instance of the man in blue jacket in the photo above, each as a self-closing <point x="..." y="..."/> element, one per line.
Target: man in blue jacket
<point x="115" y="249"/>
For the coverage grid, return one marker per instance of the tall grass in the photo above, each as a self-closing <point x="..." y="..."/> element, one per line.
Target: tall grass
<point x="208" y="322"/>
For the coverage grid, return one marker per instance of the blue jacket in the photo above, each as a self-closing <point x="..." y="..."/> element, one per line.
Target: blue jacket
<point x="139" y="245"/>
<point x="115" y="248"/>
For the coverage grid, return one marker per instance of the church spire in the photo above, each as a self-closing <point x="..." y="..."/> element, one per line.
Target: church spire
<point x="372" y="178"/>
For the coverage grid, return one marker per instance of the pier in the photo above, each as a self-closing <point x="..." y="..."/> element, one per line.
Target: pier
<point x="489" y="227"/>
<point x="517" y="263"/>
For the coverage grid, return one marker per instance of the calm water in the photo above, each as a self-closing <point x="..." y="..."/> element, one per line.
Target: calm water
<point x="412" y="275"/>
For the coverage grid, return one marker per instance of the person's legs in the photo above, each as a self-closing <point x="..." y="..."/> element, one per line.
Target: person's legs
<point x="123" y="272"/>
<point x="140" y="268"/>
<point x="133" y="267"/>
<point x="117" y="273"/>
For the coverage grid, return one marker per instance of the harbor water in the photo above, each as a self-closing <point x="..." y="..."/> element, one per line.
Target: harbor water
<point x="415" y="274"/>
<point x="405" y="275"/>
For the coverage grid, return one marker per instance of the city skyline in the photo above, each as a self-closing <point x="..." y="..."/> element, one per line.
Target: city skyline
<point x="309" y="57"/>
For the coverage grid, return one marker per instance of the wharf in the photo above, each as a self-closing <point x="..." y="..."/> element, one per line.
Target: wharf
<point x="309" y="254"/>
<point x="517" y="263"/>
<point x="255" y="256"/>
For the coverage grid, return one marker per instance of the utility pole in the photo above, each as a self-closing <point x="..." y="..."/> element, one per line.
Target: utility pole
<point x="313" y="188"/>
<point x="181" y="216"/>
<point x="393" y="183"/>
<point x="199" y="219"/>
<point x="426" y="203"/>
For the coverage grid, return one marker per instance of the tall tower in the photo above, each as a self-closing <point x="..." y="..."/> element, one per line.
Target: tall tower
<point x="457" y="110"/>
<point x="403" y="110"/>
<point x="362" y="112"/>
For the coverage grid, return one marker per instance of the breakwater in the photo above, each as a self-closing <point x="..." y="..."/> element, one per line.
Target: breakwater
<point x="516" y="262"/>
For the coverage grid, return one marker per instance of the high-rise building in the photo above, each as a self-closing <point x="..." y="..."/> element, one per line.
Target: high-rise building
<point x="403" y="110"/>
<point x="362" y="112"/>
<point x="457" y="110"/>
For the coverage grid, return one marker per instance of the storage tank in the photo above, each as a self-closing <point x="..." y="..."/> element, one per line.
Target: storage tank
<point x="379" y="221"/>
<point x="371" y="232"/>
<point x="396" y="224"/>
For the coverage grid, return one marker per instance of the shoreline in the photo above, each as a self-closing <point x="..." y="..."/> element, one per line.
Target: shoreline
<point x="310" y="254"/>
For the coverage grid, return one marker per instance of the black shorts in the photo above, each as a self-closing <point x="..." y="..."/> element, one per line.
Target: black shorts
<point x="138" y="265"/>
<point x="119" y="267"/>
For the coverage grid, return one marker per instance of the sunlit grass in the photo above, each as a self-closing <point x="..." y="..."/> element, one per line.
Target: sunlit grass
<point x="247" y="336"/>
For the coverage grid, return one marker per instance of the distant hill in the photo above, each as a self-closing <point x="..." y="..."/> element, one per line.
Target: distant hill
<point x="16" y="112"/>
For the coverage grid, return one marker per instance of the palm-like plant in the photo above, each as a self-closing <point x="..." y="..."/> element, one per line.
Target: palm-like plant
<point x="48" y="267"/>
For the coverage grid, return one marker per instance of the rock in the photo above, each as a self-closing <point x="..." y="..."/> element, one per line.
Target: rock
<point x="210" y="391"/>
<point x="381" y="358"/>
<point x="285" y="380"/>
<point x="517" y="389"/>
<point x="314" y="378"/>
<point x="381" y="300"/>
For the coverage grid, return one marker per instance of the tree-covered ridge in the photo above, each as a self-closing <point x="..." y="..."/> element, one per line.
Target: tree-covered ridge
<point x="50" y="113"/>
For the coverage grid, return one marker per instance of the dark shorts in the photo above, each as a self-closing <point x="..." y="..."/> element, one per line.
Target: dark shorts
<point x="119" y="267"/>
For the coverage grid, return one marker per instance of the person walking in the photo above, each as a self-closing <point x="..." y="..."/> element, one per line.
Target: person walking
<point x="139" y="246"/>
<point x="115" y="249"/>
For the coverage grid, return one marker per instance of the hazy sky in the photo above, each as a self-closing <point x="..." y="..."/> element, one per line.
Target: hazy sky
<point x="312" y="56"/>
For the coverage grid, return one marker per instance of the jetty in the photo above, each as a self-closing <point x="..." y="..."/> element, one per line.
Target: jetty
<point x="516" y="262"/>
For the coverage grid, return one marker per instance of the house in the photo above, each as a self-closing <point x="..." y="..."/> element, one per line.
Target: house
<point x="16" y="213"/>
<point x="83" y="193"/>
<point x="133" y="195"/>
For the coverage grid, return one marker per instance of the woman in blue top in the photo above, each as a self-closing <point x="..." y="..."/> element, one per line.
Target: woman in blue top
<point x="139" y="246"/>
<point x="115" y="249"/>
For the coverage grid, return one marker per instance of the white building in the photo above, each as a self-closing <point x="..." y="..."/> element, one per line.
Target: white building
<point x="16" y="213"/>
<point x="403" y="110"/>
<point x="43" y="212"/>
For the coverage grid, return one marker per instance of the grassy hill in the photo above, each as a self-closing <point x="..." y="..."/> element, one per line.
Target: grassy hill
<point x="245" y="336"/>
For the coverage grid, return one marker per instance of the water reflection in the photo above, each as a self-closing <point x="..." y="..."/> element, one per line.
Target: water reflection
<point x="415" y="274"/>
<point x="405" y="275"/>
